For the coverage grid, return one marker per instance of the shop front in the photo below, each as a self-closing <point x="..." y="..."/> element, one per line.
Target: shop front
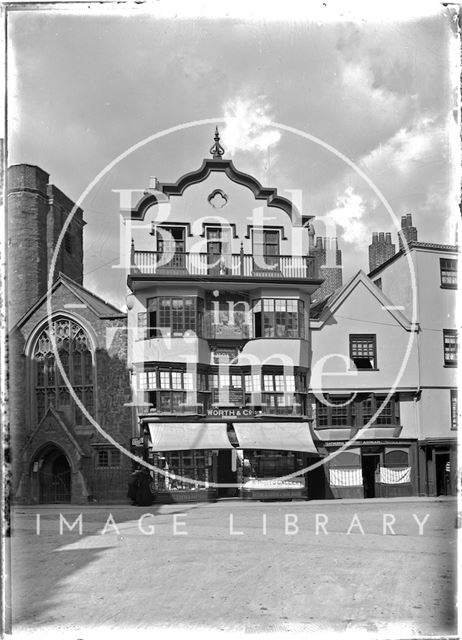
<point x="371" y="468"/>
<point x="438" y="460"/>
<point x="273" y="457"/>
<point x="257" y="460"/>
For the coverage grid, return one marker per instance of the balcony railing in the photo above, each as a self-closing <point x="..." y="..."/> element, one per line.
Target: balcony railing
<point x="230" y="265"/>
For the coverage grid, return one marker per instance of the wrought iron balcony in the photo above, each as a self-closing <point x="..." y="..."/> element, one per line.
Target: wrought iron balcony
<point x="181" y="264"/>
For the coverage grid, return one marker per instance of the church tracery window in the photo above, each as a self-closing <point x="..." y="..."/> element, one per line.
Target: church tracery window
<point x="75" y="352"/>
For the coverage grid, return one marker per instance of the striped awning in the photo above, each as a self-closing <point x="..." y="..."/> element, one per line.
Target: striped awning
<point x="176" y="436"/>
<point x="280" y="436"/>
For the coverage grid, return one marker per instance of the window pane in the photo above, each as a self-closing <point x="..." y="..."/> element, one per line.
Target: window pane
<point x="77" y="367"/>
<point x="103" y="458"/>
<point x="279" y="383"/>
<point x="177" y="382"/>
<point x="396" y="458"/>
<point x="164" y="379"/>
<point x="88" y="367"/>
<point x="151" y="381"/>
<point x="236" y="382"/>
<point x="188" y="381"/>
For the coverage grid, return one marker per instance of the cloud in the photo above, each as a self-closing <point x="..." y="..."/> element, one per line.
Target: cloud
<point x="248" y="126"/>
<point x="369" y="99"/>
<point x="348" y="214"/>
<point x="408" y="149"/>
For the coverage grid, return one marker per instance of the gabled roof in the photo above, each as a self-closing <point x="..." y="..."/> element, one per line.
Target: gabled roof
<point x="273" y="199"/>
<point x="326" y="308"/>
<point x="100" y="307"/>
<point x="51" y="411"/>
<point x="446" y="248"/>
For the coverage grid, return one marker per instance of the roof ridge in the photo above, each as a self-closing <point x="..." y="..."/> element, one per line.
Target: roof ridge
<point x="94" y="295"/>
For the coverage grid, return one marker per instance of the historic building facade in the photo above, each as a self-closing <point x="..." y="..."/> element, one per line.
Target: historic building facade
<point x="221" y="298"/>
<point x="242" y="360"/>
<point x="434" y="292"/>
<point x="57" y="455"/>
<point x="365" y="393"/>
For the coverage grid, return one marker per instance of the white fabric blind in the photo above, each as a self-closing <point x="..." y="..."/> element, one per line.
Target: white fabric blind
<point x="282" y="436"/>
<point x="188" y="435"/>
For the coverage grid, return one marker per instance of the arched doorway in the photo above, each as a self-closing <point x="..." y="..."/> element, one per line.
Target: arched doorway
<point x="54" y="476"/>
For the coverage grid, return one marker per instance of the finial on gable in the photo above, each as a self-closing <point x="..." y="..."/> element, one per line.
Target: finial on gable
<point x="217" y="150"/>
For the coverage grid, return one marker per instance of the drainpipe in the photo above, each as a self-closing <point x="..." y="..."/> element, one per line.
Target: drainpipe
<point x="418" y="394"/>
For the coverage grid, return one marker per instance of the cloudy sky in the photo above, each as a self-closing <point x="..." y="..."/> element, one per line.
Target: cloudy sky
<point x="85" y="87"/>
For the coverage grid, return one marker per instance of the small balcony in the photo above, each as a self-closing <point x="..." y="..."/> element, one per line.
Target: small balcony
<point x="180" y="265"/>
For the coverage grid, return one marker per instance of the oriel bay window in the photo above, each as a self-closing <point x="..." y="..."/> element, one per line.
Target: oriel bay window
<point x="172" y="390"/>
<point x="227" y="316"/>
<point x="356" y="411"/>
<point x="226" y="389"/>
<point x="174" y="316"/>
<point x="363" y="351"/>
<point x="279" y="318"/>
<point x="276" y="394"/>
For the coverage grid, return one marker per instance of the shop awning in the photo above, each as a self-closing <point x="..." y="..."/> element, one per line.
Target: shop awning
<point x="188" y="435"/>
<point x="281" y="436"/>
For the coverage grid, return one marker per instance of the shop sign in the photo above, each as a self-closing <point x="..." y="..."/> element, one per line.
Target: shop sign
<point x="231" y="412"/>
<point x="137" y="442"/>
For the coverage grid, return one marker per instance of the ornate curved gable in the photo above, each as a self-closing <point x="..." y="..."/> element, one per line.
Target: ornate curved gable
<point x="218" y="164"/>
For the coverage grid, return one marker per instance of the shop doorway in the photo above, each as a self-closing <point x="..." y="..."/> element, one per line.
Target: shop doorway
<point x="370" y="464"/>
<point x="316" y="483"/>
<point x="54" y="476"/>
<point x="443" y="475"/>
<point x="225" y="474"/>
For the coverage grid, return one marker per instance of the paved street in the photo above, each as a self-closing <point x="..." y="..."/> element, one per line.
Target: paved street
<point x="249" y="567"/>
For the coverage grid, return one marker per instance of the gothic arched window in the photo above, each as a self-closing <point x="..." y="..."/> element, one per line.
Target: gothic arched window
<point x="75" y="352"/>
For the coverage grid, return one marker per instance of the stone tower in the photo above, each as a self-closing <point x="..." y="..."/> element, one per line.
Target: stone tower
<point x="328" y="263"/>
<point x="380" y="250"/>
<point x="37" y="211"/>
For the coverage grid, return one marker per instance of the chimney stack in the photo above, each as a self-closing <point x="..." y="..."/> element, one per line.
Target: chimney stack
<point x="407" y="230"/>
<point x="380" y="249"/>
<point x="328" y="264"/>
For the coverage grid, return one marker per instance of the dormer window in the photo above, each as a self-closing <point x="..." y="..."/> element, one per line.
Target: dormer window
<point x="363" y="351"/>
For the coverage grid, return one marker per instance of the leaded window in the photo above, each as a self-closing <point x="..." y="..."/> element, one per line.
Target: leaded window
<point x="75" y="353"/>
<point x="348" y="411"/>
<point x="174" y="316"/>
<point x="363" y="351"/>
<point x="279" y="318"/>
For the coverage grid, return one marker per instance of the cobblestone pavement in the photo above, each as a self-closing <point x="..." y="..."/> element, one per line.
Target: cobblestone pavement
<point x="376" y="568"/>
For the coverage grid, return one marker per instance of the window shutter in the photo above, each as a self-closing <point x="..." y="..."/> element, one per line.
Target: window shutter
<point x="142" y="326"/>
